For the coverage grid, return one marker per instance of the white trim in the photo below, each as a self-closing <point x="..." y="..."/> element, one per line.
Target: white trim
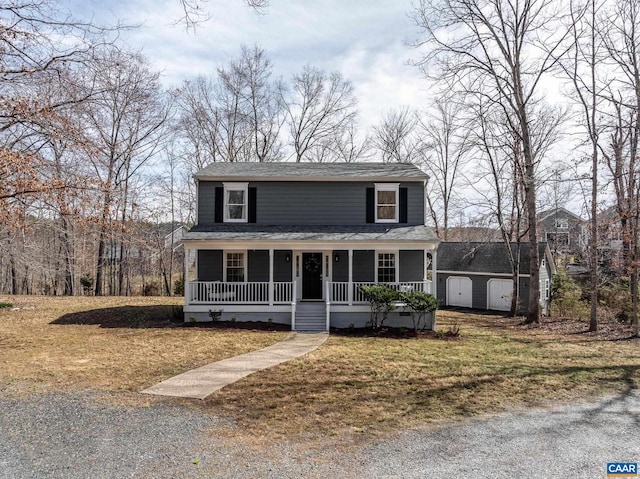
<point x="224" y="264"/>
<point x="396" y="263"/>
<point x="458" y="273"/>
<point x="244" y="187"/>
<point x="306" y="245"/>
<point x="237" y="308"/>
<point x="395" y="187"/>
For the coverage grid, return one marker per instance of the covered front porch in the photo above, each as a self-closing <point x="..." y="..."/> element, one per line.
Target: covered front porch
<point x="319" y="284"/>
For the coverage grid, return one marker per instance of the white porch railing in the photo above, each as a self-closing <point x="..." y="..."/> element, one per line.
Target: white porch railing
<point x="339" y="291"/>
<point x="218" y="292"/>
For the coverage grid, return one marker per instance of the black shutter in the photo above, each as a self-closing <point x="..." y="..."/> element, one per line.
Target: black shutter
<point x="402" y="204"/>
<point x="219" y="205"/>
<point x="251" y="213"/>
<point x="371" y="205"/>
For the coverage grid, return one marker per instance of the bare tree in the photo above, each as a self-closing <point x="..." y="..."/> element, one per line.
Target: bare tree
<point x="124" y="122"/>
<point x="446" y="148"/>
<point x="237" y="117"/>
<point x="499" y="49"/>
<point x="396" y="137"/>
<point x="622" y="40"/>
<point x="581" y="66"/>
<point x="319" y="109"/>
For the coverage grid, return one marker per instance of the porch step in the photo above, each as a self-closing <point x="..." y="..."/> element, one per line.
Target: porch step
<point x="311" y="316"/>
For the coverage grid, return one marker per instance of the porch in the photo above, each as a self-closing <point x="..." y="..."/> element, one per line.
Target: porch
<point x="296" y="286"/>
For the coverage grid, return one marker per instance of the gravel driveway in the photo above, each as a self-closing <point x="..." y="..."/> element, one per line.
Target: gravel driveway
<point x="89" y="435"/>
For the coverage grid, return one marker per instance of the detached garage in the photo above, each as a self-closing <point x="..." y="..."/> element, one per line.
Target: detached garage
<point x="478" y="275"/>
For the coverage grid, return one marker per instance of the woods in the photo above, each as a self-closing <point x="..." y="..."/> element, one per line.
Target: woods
<point x="97" y="153"/>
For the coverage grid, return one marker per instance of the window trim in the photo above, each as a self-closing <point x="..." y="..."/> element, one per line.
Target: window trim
<point x="225" y="260"/>
<point x="547" y="289"/>
<point x="561" y="223"/>
<point x="395" y="187"/>
<point x="244" y="187"/>
<point x="396" y="260"/>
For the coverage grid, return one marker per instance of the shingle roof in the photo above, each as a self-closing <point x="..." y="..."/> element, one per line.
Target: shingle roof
<point x="483" y="257"/>
<point x="312" y="171"/>
<point x="255" y="232"/>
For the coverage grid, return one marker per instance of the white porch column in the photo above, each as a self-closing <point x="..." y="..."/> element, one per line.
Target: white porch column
<point x="271" y="277"/>
<point x="187" y="293"/>
<point x="434" y="276"/>
<point x="350" y="291"/>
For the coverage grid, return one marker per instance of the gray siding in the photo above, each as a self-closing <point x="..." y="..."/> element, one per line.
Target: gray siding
<point x="340" y="267"/>
<point x="210" y="265"/>
<point x="206" y="202"/>
<point x="257" y="265"/>
<point x="305" y="203"/>
<point x="361" y="320"/>
<point x="282" y="268"/>
<point x="411" y="265"/>
<point x="282" y="318"/>
<point x="364" y="266"/>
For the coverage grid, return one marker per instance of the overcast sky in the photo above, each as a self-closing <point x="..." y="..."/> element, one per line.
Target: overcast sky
<point x="365" y="40"/>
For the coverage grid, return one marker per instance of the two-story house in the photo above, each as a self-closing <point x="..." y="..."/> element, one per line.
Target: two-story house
<point x="294" y="242"/>
<point x="563" y="230"/>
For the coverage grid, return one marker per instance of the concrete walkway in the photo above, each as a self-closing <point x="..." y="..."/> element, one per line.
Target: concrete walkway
<point x="199" y="383"/>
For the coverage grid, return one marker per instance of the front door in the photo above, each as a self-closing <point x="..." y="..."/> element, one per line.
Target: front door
<point x="311" y="275"/>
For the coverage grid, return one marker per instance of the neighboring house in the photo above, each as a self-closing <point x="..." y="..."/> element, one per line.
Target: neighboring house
<point x="478" y="275"/>
<point x="565" y="231"/>
<point x="293" y="242"/>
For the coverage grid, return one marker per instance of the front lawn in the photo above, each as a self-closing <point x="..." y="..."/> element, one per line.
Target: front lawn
<point x="351" y="384"/>
<point x="109" y="343"/>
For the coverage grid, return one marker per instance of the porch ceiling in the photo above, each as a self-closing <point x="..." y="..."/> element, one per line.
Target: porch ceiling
<point x="330" y="233"/>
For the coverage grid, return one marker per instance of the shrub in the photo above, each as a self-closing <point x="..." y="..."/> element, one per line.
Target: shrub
<point x="420" y="305"/>
<point x="381" y="298"/>
<point x="151" y="289"/>
<point x="86" y="282"/>
<point x="6" y="305"/>
<point x="178" y="287"/>
<point x="566" y="298"/>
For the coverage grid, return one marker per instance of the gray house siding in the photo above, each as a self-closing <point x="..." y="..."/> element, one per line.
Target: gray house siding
<point x="364" y="268"/>
<point x="307" y="203"/>
<point x="281" y="267"/>
<point x="411" y="265"/>
<point x="210" y="265"/>
<point x="258" y="266"/>
<point x="340" y="267"/>
<point x="342" y="320"/>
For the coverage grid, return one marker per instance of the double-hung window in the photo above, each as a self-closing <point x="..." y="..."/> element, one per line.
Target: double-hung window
<point x="235" y="267"/>
<point x="386" y="267"/>
<point x="235" y="202"/>
<point x="386" y="202"/>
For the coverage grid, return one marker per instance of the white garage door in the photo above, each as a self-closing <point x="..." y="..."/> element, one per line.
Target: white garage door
<point x="499" y="292"/>
<point x="459" y="291"/>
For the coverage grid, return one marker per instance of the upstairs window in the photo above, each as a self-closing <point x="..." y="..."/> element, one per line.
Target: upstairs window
<point x="386" y="195"/>
<point x="562" y="223"/>
<point x="235" y="202"/>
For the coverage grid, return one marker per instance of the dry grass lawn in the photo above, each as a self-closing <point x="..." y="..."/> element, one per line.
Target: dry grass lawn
<point x="350" y="384"/>
<point x="109" y="343"/>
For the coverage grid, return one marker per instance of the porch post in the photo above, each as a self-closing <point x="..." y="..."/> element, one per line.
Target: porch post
<point x="434" y="269"/>
<point x="187" y="295"/>
<point x="270" y="276"/>
<point x="350" y="290"/>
